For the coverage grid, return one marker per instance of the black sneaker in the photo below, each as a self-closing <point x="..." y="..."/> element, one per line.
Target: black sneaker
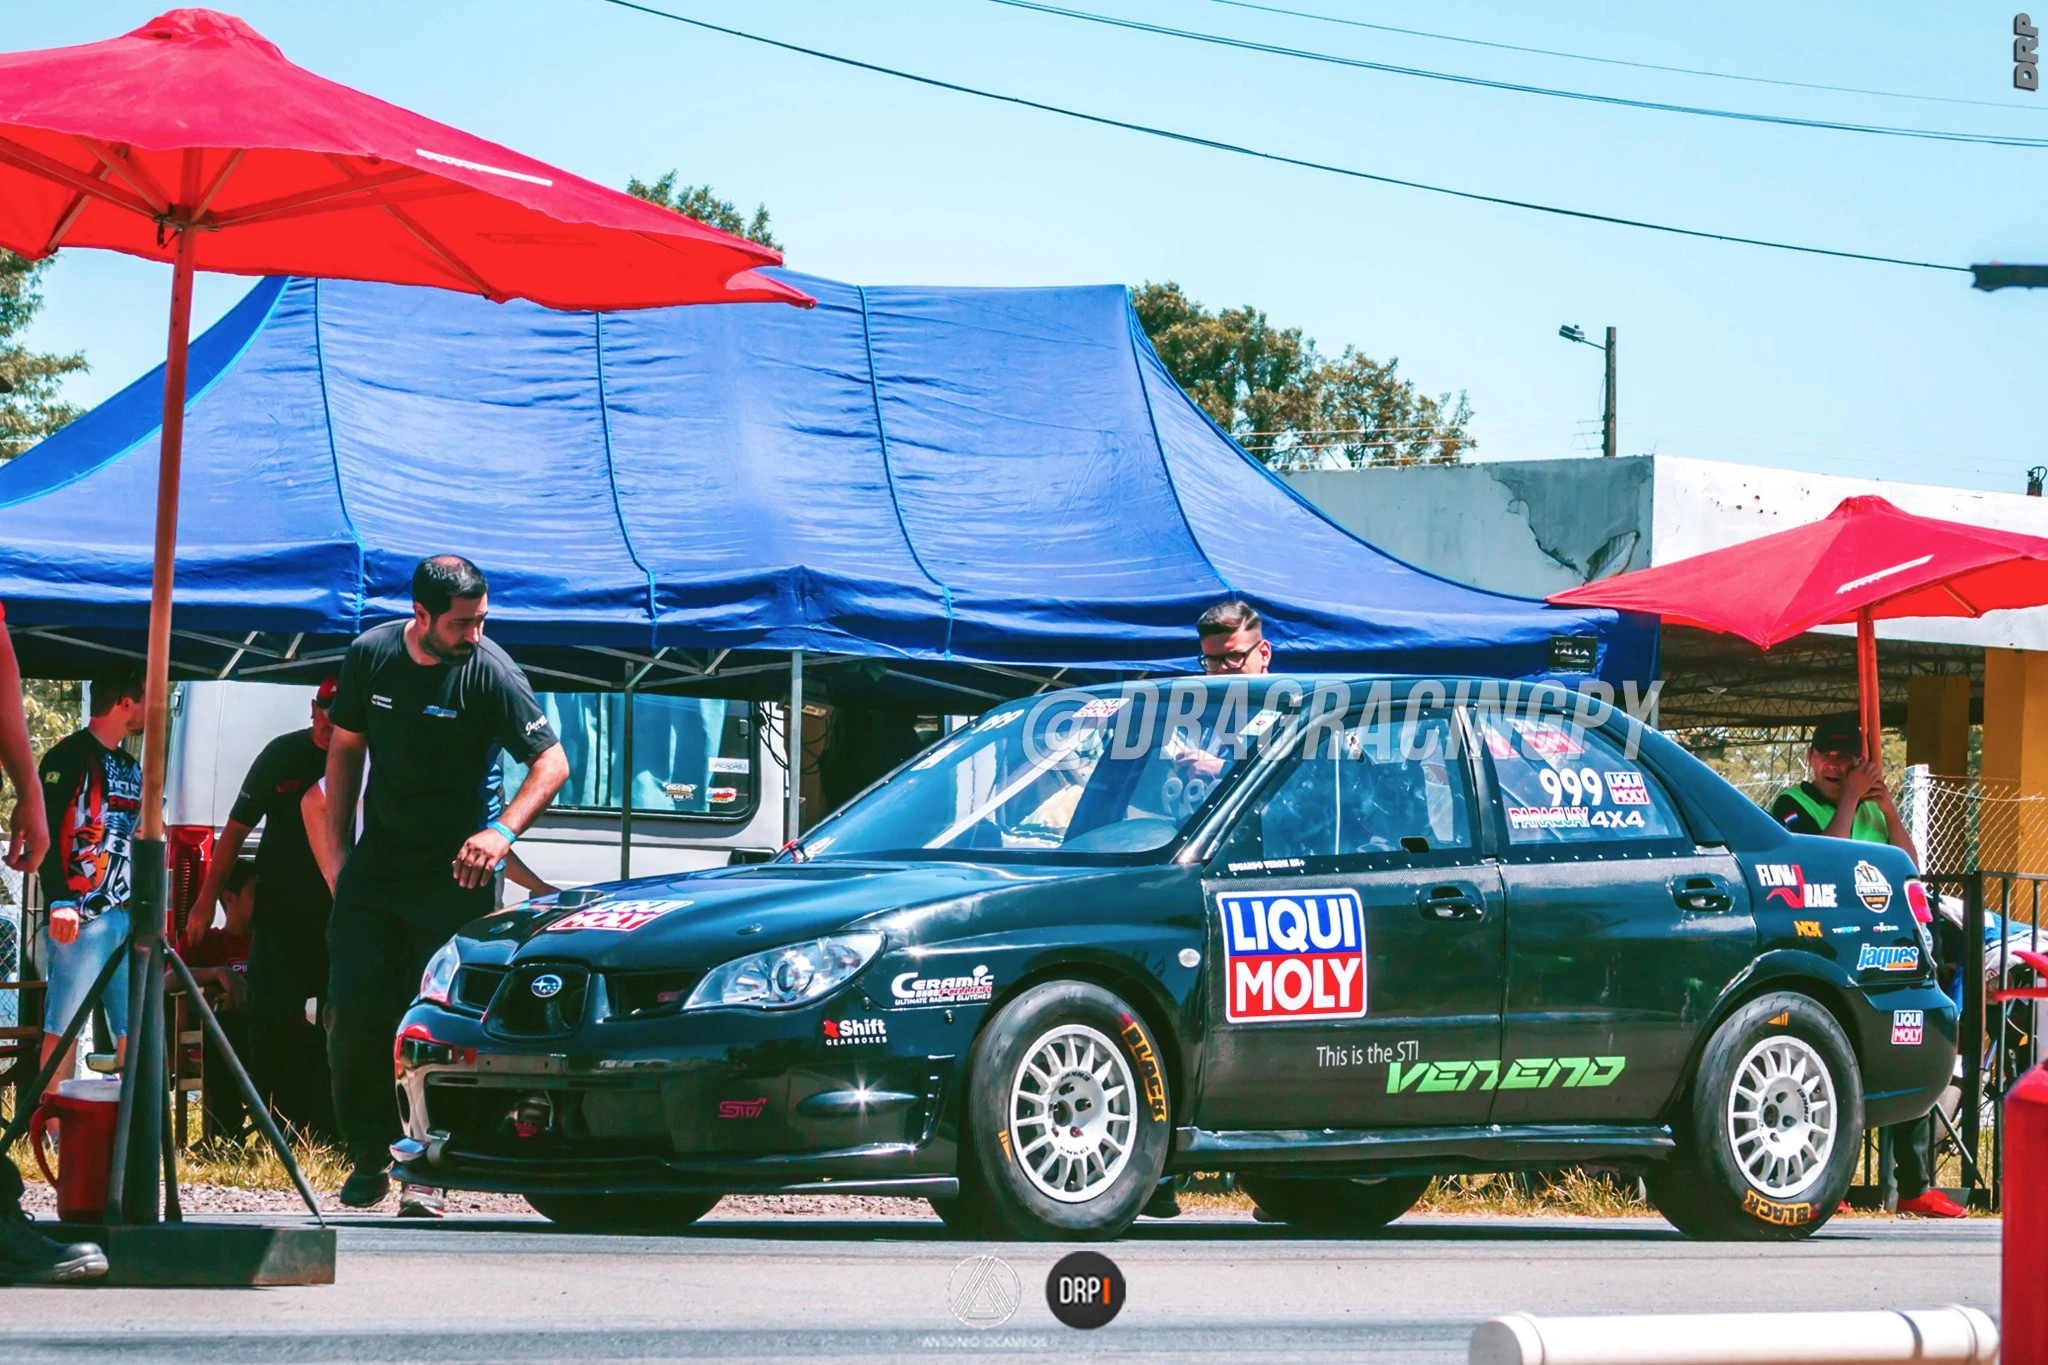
<point x="422" y="1201"/>
<point x="28" y="1257"/>
<point x="365" y="1187"/>
<point x="1164" y="1203"/>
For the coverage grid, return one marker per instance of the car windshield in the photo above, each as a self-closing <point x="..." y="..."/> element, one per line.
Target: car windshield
<point x="1074" y="775"/>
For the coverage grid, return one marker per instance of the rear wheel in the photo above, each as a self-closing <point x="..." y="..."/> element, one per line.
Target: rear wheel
<point x="1327" y="1205"/>
<point x="1767" y="1145"/>
<point x="623" y="1212"/>
<point x="1068" y="1118"/>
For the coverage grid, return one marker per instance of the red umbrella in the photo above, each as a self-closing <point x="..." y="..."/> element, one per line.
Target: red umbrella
<point x="1866" y="561"/>
<point x="193" y="141"/>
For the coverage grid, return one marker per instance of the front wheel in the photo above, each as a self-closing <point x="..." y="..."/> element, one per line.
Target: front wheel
<point x="1767" y="1145"/>
<point x="1330" y="1205"/>
<point x="623" y="1212"/>
<point x="1067" y="1113"/>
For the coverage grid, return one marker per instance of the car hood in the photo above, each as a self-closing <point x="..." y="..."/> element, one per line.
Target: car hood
<point x="701" y="919"/>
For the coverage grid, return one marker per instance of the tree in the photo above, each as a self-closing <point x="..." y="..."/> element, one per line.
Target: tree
<point x="702" y="203"/>
<point x="1276" y="394"/>
<point x="29" y="380"/>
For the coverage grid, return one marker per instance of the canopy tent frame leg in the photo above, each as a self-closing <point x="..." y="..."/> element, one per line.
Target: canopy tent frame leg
<point x="626" y="776"/>
<point x="1872" y="719"/>
<point x="794" y="744"/>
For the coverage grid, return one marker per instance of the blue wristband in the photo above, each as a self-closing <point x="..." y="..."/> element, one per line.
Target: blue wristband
<point x="503" y="831"/>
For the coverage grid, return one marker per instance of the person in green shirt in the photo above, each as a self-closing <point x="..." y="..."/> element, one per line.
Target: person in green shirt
<point x="1846" y="798"/>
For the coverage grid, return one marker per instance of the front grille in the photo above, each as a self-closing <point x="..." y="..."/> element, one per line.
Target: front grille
<point x="474" y="987"/>
<point x="517" y="1011"/>
<point x="645" y="995"/>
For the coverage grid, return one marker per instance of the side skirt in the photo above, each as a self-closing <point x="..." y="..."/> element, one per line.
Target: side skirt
<point x="1436" y="1151"/>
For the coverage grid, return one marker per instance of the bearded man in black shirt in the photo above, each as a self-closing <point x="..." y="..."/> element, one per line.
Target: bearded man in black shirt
<point x="428" y="700"/>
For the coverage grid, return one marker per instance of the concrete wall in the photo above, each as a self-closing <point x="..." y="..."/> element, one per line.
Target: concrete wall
<point x="1530" y="527"/>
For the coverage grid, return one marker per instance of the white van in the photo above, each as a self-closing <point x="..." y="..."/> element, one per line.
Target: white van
<point x="705" y="782"/>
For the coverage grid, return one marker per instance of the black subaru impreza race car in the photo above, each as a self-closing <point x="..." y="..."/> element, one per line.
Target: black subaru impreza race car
<point x="1334" y="936"/>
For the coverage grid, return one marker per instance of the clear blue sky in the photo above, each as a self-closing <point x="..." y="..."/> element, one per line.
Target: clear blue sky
<point x="1726" y="352"/>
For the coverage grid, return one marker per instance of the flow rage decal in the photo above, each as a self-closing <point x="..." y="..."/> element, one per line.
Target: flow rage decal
<point x="1787" y="882"/>
<point x="1908" y="1027"/>
<point x="1300" y="955"/>
<point x="619" y="917"/>
<point x="1872" y="888"/>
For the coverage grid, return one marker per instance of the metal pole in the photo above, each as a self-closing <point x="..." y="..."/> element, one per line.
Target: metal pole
<point x="626" y="763"/>
<point x="1971" y="1027"/>
<point x="791" y="824"/>
<point x="133" y="1183"/>
<point x="1609" y="437"/>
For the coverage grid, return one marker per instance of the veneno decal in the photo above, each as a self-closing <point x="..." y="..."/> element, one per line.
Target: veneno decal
<point x="1876" y="959"/>
<point x="1296" y="955"/>
<point x="619" y="917"/>
<point x="1872" y="888"/>
<point x="1524" y="1073"/>
<point x="1787" y="882"/>
<point x="1775" y="1213"/>
<point x="1908" y="1027"/>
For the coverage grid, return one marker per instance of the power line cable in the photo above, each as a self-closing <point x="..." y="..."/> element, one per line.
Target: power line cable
<point x="1620" y="61"/>
<point x="1213" y="144"/>
<point x="1515" y="87"/>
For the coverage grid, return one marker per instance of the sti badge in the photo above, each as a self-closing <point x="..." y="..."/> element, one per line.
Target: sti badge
<point x="1294" y="955"/>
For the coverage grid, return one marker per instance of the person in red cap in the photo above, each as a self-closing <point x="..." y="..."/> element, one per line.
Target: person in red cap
<point x="287" y="972"/>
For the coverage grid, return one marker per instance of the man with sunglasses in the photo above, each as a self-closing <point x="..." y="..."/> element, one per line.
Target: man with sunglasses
<point x="288" y="948"/>
<point x="1233" y="639"/>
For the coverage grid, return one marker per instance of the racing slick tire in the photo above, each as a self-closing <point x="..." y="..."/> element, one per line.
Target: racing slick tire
<point x="1768" y="1138"/>
<point x="1334" y="1205"/>
<point x="623" y="1212"/>
<point x="1068" y="1117"/>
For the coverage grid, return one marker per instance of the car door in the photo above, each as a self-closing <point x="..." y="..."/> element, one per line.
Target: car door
<point x="1355" y="936"/>
<point x="1621" y="930"/>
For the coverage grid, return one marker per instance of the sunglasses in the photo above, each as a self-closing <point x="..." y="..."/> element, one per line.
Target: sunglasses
<point x="1227" y="658"/>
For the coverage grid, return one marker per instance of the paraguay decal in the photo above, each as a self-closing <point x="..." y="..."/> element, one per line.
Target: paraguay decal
<point x="1872" y="889"/>
<point x="619" y="917"/>
<point x="1524" y="1073"/>
<point x="1299" y="955"/>
<point x="1908" y="1027"/>
<point x="1876" y="959"/>
<point x="1549" y="817"/>
<point x="1787" y="882"/>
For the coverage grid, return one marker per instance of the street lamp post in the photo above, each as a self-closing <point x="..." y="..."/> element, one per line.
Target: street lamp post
<point x="1609" y="432"/>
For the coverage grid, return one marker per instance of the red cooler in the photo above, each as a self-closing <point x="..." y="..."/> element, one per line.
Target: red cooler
<point x="83" y="1111"/>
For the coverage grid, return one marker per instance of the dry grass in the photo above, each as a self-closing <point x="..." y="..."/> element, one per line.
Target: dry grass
<point x="245" y="1164"/>
<point x="1573" y="1192"/>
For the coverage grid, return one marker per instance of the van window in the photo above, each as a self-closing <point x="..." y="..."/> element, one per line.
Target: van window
<point x="693" y="756"/>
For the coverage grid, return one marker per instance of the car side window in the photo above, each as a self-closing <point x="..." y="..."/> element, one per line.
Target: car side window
<point x="1560" y="783"/>
<point x="1389" y="787"/>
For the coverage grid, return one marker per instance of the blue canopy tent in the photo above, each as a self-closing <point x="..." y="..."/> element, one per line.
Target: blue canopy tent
<point x="938" y="492"/>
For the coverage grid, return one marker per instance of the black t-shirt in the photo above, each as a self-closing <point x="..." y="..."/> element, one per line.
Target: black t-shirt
<point x="431" y="731"/>
<point x="289" y="928"/>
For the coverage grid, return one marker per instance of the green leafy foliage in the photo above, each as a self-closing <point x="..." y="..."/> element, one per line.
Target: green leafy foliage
<point x="1285" y="402"/>
<point x="702" y="203"/>
<point x="29" y="380"/>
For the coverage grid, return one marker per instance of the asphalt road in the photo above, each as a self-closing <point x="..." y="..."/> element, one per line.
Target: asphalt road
<point x="823" y="1289"/>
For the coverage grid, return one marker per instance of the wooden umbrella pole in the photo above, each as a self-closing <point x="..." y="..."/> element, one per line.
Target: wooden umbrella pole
<point x="133" y="1177"/>
<point x="1866" y="686"/>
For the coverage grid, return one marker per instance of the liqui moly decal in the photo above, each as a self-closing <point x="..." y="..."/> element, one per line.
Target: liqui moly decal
<point x="1294" y="955"/>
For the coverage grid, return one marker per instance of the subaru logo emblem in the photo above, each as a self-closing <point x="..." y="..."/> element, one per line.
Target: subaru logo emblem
<point x="547" y="985"/>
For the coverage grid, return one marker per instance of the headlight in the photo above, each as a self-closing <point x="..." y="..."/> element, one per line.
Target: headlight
<point x="440" y="973"/>
<point x="782" y="977"/>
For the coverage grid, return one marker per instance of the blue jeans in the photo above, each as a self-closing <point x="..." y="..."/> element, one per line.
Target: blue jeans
<point x="74" y="966"/>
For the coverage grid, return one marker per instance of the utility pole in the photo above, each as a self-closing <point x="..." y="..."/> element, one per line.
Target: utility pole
<point x="1609" y="435"/>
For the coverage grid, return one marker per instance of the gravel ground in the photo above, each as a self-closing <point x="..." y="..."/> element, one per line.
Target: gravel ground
<point x="41" y="1200"/>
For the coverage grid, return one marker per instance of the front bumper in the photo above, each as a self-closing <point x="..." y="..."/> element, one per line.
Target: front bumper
<point x="725" y="1102"/>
